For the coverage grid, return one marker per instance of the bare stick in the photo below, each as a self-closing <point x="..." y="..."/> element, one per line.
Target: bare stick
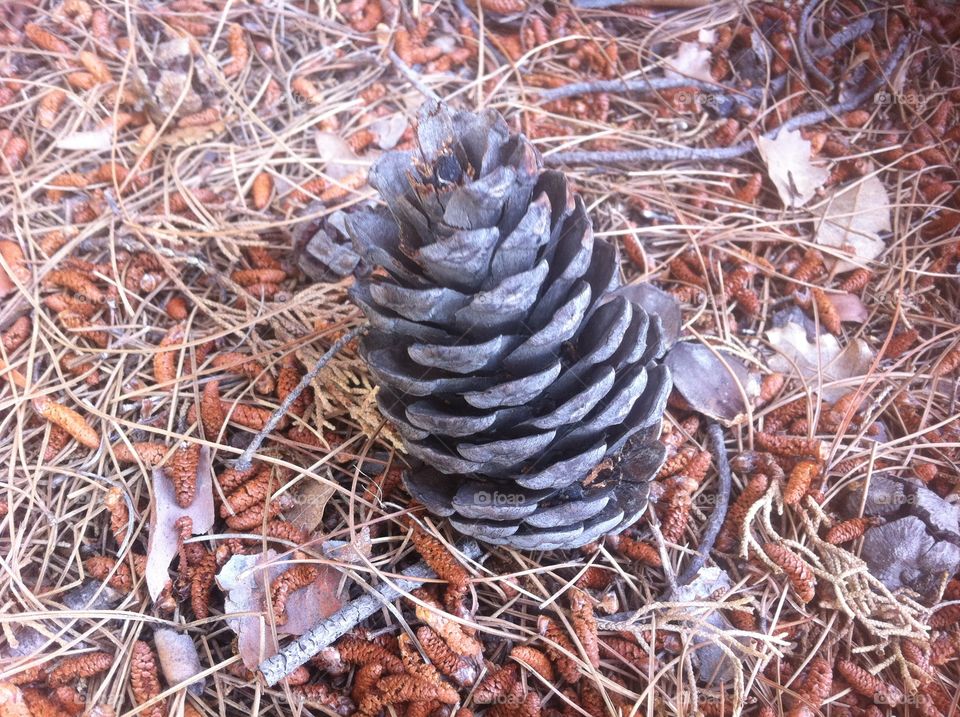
<point x="719" y="514"/>
<point x="806" y="58"/>
<point x="246" y="458"/>
<point x="680" y="154"/>
<point x="346" y="618"/>
<point x="412" y="77"/>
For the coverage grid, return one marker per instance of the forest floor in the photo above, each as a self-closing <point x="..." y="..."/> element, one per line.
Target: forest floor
<point x="789" y="175"/>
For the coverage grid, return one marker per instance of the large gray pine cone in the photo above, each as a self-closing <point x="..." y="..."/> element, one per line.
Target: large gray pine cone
<point x="505" y="360"/>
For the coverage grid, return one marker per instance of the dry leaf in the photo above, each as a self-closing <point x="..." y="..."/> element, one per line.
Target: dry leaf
<point x="388" y="130"/>
<point x="90" y="141"/>
<point x="307" y="606"/>
<point x="849" y="307"/>
<point x="339" y="157"/>
<point x="179" y="660"/>
<point x="311" y="498"/>
<point x="12" y="703"/>
<point x="714" y="387"/>
<point x="244" y="582"/>
<point x="357" y="550"/>
<point x="788" y="164"/>
<point x="164" y="513"/>
<point x="691" y="60"/>
<point x="819" y="362"/>
<point x="851" y="220"/>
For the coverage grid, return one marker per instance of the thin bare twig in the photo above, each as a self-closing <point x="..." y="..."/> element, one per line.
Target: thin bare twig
<point x="681" y="154"/>
<point x="246" y="458"/>
<point x="350" y="615"/>
<point x="719" y="514"/>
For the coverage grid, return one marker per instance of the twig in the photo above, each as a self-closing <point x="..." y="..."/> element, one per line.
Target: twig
<point x="680" y="154"/>
<point x="246" y="458"/>
<point x="412" y="77"/>
<point x="719" y="514"/>
<point x="346" y="618"/>
<point x="737" y="96"/>
<point x="806" y="59"/>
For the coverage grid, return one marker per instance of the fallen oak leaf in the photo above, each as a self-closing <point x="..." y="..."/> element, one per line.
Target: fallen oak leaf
<point x="789" y="167"/>
<point x="851" y="220"/>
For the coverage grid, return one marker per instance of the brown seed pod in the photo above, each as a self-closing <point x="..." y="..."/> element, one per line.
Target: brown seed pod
<point x="801" y="577"/>
<point x="45" y="40"/>
<point x="284" y="530"/>
<point x="204" y="117"/>
<point x="498" y="683"/>
<point x="49" y="106"/>
<point x="76" y="321"/>
<point x="232" y="478"/>
<point x="144" y="679"/>
<point x="77" y="282"/>
<point x="252" y="417"/>
<point x="253" y="491"/>
<point x="826" y="311"/>
<point x="393" y="689"/>
<point x="16" y="334"/>
<point x="739" y="285"/>
<point x="182" y="471"/>
<point x="176" y="307"/>
<point x="150" y="453"/>
<point x="56" y="442"/>
<point x="811" y="266"/>
<point x="449" y="663"/>
<point x="325" y="695"/>
<point x="558" y="646"/>
<point x="95" y="66"/>
<point x="298" y="576"/>
<point x="750" y="190"/>
<point x="444" y="625"/>
<point x="637" y="550"/>
<point x="856" y="282"/>
<point x="799" y="481"/>
<point x="870" y="686"/>
<point x="344" y="187"/>
<point x="948" y="364"/>
<point x="99" y="567"/>
<point x="849" y="530"/>
<point x="944" y="647"/>
<point x="535" y="660"/>
<point x="239" y="52"/>
<point x="354" y="651"/>
<point x="261" y="190"/>
<point x="119" y="513"/>
<point x="212" y="416"/>
<point x="165" y="362"/>
<point x="251" y="277"/>
<point x="202" y="576"/>
<point x="364" y="679"/>
<point x="68" y="419"/>
<point x="445" y="565"/>
<point x="791" y="445"/>
<point x="682" y="271"/>
<point x="77" y="666"/>
<point x="242" y="365"/>
<point x="255" y="516"/>
<point x="585" y="624"/>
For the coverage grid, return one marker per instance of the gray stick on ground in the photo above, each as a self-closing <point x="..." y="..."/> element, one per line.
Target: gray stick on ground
<point x="349" y="616"/>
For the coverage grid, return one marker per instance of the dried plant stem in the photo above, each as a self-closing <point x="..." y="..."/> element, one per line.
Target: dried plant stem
<point x="246" y="458"/>
<point x="412" y="76"/>
<point x="346" y="618"/>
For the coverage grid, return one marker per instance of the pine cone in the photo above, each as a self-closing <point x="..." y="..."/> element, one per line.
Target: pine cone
<point x="506" y="359"/>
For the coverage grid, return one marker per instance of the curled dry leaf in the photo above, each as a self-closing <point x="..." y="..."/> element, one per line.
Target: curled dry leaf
<point x="819" y="361"/>
<point x="788" y="163"/>
<point x="719" y="388"/>
<point x="851" y="221"/>
<point x="164" y="541"/>
<point x="179" y="660"/>
<point x="691" y="60"/>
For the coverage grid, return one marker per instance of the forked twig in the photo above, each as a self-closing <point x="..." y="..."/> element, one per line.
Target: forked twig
<point x="246" y="458"/>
